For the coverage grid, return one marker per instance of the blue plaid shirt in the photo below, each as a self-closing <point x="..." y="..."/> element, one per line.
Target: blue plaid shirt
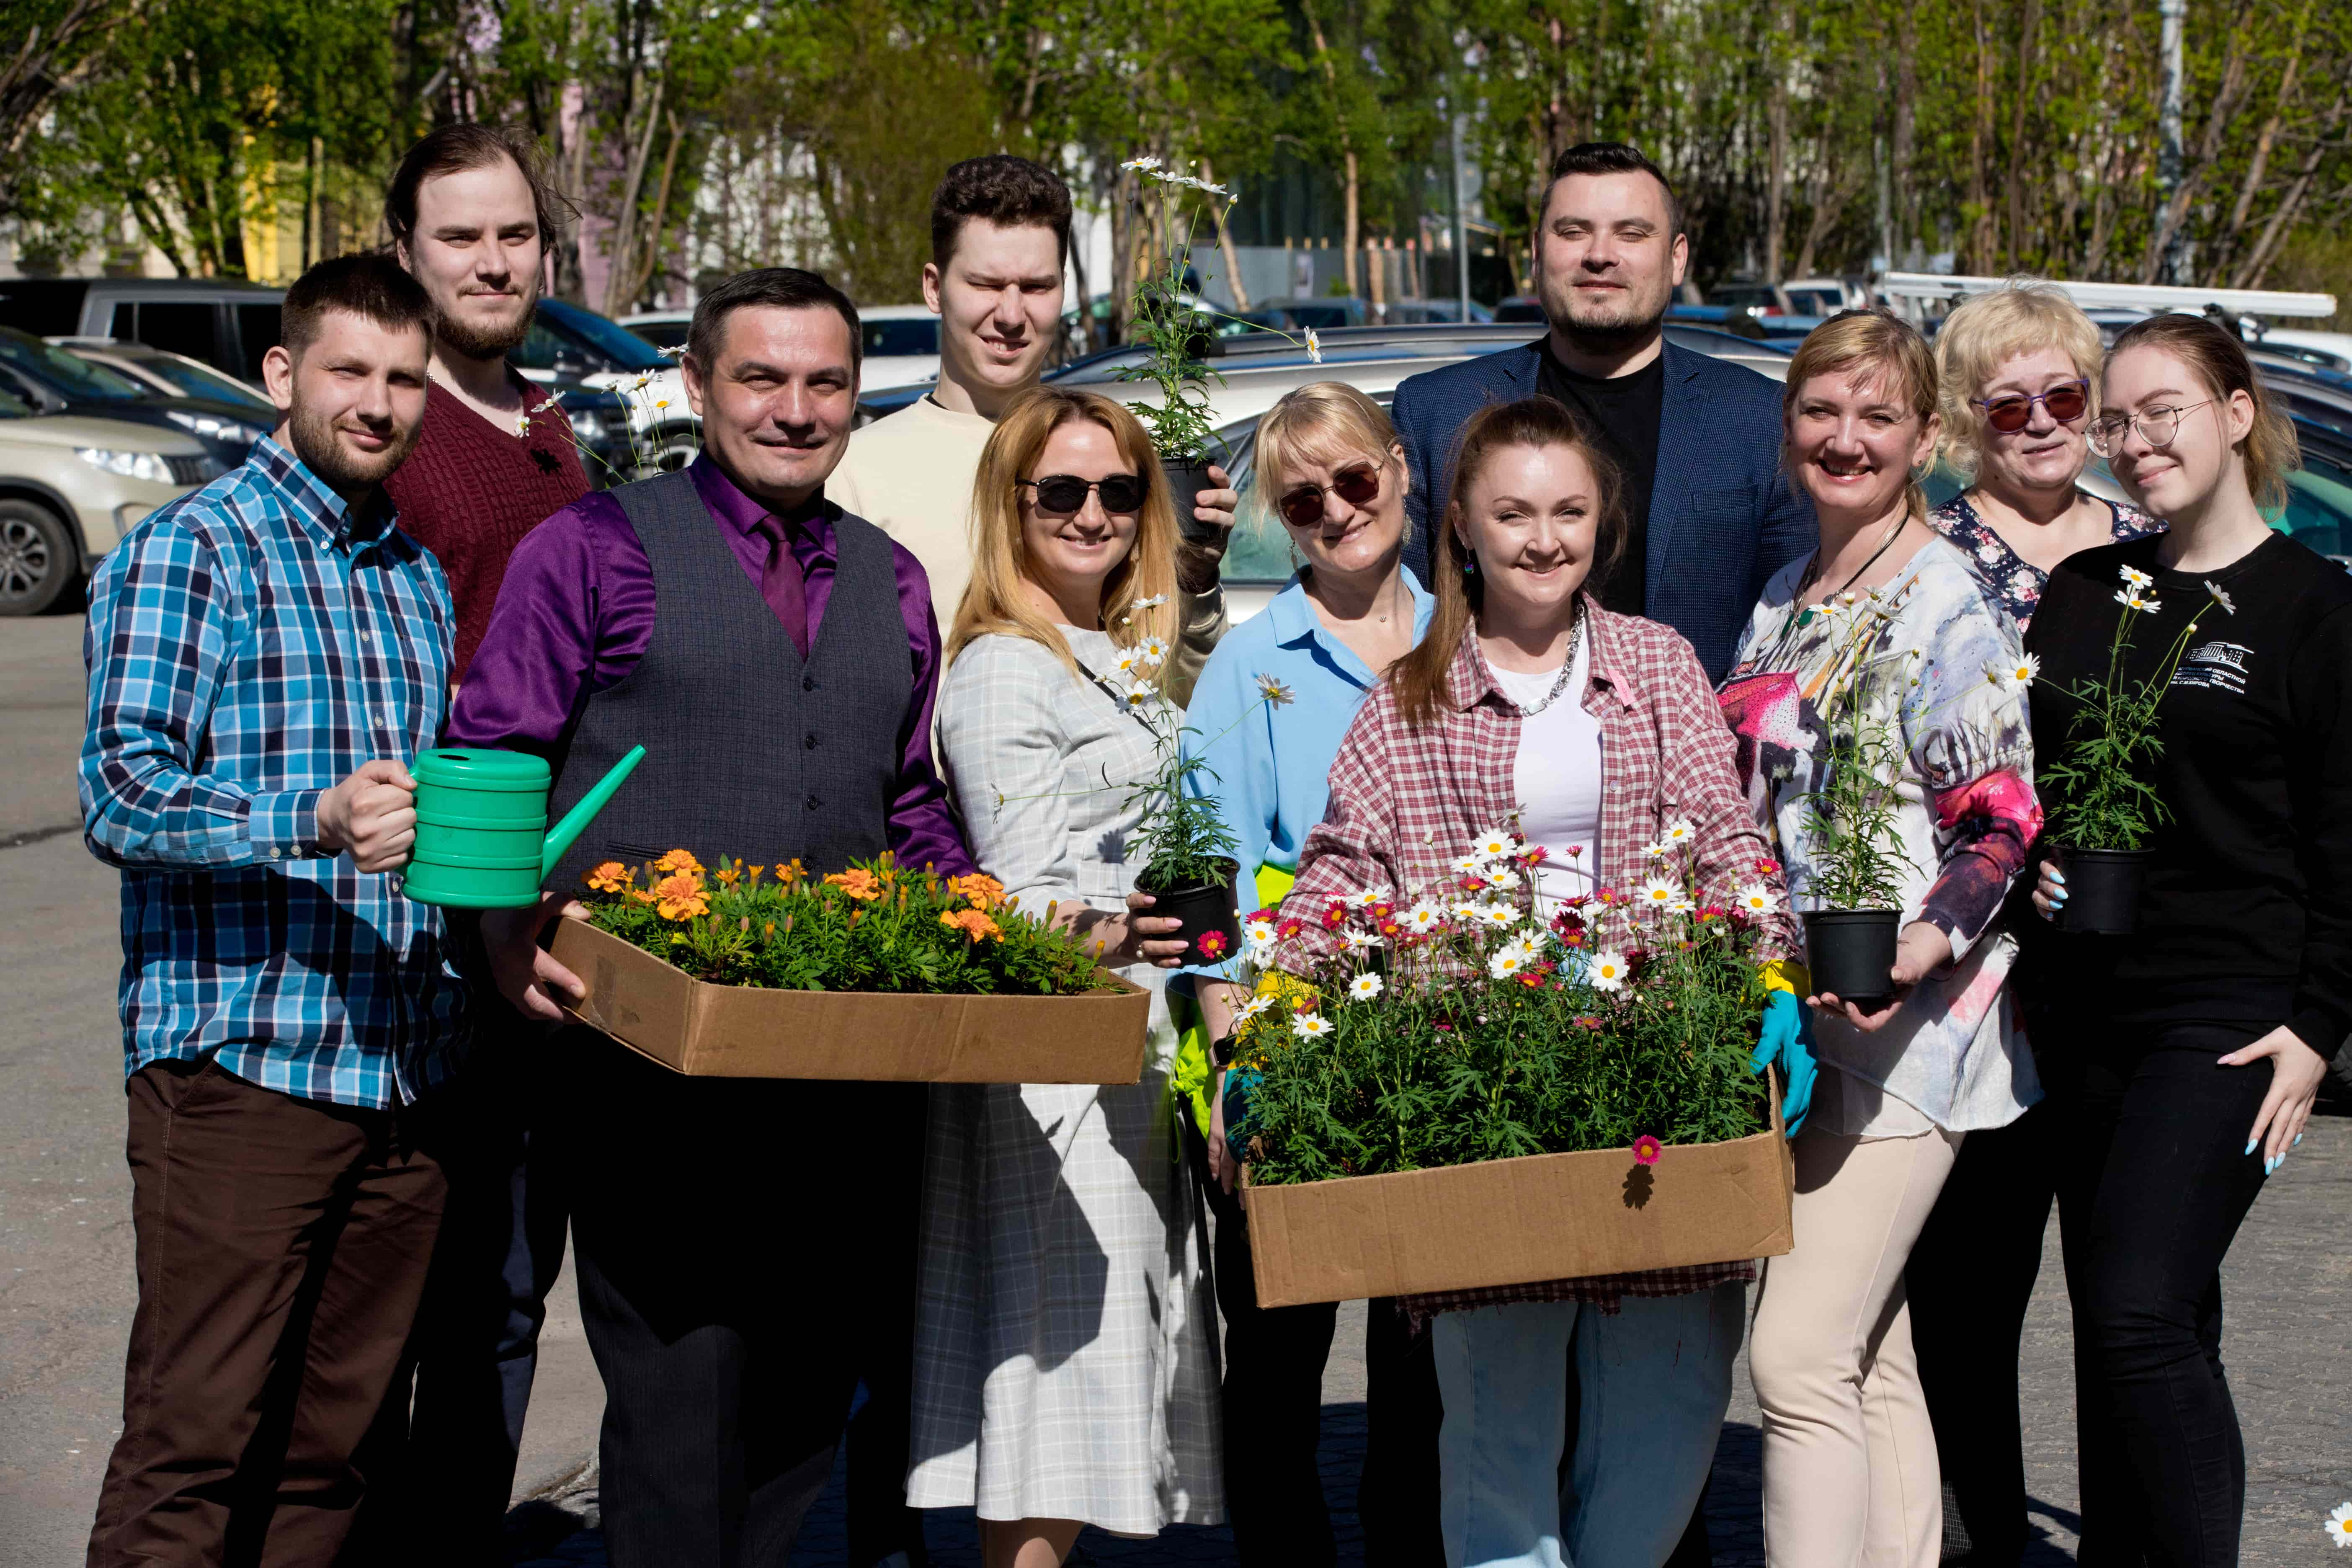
<point x="249" y="646"/>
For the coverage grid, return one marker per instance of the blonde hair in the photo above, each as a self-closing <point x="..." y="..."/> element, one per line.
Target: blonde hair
<point x="2269" y="448"/>
<point x="993" y="602"/>
<point x="1867" y="345"/>
<point x="1986" y="332"/>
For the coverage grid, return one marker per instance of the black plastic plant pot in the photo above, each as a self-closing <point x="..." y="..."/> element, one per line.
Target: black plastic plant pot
<point x="1185" y="483"/>
<point x="1850" y="954"/>
<point x="2102" y="890"/>
<point x="1207" y="910"/>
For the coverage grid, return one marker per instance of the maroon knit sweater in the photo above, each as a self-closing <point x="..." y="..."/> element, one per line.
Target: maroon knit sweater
<point x="471" y="490"/>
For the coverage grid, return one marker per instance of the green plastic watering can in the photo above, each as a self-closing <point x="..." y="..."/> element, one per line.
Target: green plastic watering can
<point x="482" y="839"/>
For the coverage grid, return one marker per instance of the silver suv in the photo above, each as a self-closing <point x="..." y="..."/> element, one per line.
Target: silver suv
<point x="70" y="487"/>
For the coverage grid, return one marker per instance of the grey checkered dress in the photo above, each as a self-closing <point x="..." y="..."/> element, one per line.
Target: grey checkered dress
<point x="1066" y="1344"/>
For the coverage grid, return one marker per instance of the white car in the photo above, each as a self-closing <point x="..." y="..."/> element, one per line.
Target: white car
<point x="2329" y="351"/>
<point x="72" y="486"/>
<point x="1374" y="361"/>
<point x="902" y="347"/>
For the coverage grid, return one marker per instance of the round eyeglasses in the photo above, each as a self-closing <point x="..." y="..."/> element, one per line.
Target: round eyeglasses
<point x="1358" y="485"/>
<point x="2157" y="427"/>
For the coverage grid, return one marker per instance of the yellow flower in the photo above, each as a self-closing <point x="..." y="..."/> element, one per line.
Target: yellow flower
<point x="730" y="875"/>
<point x="980" y="890"/>
<point x="680" y="861"/>
<point x="610" y="877"/>
<point x="857" y="884"/>
<point x="755" y="872"/>
<point x="973" y="924"/>
<point x="639" y="896"/>
<point x="681" y="897"/>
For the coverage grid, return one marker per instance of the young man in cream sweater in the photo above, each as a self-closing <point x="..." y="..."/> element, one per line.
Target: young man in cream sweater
<point x="1000" y="236"/>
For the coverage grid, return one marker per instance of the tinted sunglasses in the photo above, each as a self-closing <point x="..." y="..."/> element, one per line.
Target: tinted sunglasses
<point x="1067" y="492"/>
<point x="1303" y="507"/>
<point x="2013" y="411"/>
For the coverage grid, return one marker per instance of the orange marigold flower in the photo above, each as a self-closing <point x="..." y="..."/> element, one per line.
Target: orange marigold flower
<point x="729" y="875"/>
<point x="639" y="896"/>
<point x="681" y="897"/>
<point x="973" y="924"/>
<point x="755" y="872"/>
<point x="680" y="861"/>
<point x="857" y="883"/>
<point x="980" y="890"/>
<point x="610" y="877"/>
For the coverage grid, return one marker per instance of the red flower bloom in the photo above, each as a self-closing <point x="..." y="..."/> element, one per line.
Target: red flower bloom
<point x="1587" y="1022"/>
<point x="1265" y="915"/>
<point x="1380" y="913"/>
<point x="1335" y="916"/>
<point x="1645" y="1150"/>
<point x="1212" y="944"/>
<point x="1536" y="856"/>
<point x="1289" y="928"/>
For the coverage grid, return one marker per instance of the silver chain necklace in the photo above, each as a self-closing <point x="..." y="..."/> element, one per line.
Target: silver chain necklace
<point x="1575" y="635"/>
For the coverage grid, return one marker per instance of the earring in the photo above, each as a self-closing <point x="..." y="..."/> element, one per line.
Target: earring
<point x="1470" y="566"/>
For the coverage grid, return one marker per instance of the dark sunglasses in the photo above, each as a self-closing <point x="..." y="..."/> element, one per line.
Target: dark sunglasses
<point x="2013" y="411"/>
<point x="1067" y="492"/>
<point x="1303" y="507"/>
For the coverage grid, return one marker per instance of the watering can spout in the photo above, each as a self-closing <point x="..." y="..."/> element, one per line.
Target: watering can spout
<point x="577" y="819"/>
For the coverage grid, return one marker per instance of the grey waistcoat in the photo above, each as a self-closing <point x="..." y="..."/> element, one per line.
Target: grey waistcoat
<point x="750" y="750"/>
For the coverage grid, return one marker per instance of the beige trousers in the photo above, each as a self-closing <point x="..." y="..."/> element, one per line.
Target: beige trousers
<point x="1850" y="1477"/>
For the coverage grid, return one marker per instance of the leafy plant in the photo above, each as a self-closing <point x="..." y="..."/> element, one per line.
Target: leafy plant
<point x="871" y="927"/>
<point x="1480" y="1022"/>
<point x="2098" y="786"/>
<point x="1858" y="858"/>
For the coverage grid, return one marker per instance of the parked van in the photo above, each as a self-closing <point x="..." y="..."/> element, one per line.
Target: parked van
<point x="227" y="325"/>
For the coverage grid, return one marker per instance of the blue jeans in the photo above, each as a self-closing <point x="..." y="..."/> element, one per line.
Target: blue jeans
<point x="1655" y="1381"/>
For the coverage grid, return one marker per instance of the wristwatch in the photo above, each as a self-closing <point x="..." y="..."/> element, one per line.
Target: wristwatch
<point x="1220" y="1051"/>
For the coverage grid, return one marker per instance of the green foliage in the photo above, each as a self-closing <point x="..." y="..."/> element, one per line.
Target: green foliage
<point x="1498" y="1030"/>
<point x="869" y="928"/>
<point x="1858" y="859"/>
<point x="1170" y="325"/>
<point x="2096" y="791"/>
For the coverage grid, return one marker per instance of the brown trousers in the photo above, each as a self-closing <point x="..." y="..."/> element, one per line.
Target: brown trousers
<point x="281" y="1246"/>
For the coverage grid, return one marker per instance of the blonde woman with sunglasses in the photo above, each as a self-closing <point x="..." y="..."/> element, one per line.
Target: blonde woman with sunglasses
<point x="2019" y="372"/>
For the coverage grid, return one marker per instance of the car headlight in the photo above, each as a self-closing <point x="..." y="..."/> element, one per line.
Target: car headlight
<point x="588" y="424"/>
<point x="148" y="466"/>
<point x="212" y="427"/>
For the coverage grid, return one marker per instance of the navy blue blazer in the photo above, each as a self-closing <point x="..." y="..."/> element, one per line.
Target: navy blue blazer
<point x="1723" y="518"/>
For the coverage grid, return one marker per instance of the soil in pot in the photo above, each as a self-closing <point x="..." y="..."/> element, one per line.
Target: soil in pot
<point x="2102" y="890"/>
<point x="1185" y="483"/>
<point x="1203" y="908"/>
<point x="1850" y="953"/>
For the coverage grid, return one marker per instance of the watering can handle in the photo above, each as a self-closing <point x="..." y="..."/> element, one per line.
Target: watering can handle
<point x="577" y="819"/>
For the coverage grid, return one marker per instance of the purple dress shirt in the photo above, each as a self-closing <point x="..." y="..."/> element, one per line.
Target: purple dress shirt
<point x="576" y="611"/>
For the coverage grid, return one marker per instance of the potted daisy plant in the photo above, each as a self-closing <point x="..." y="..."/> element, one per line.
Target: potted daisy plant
<point x="2099" y="809"/>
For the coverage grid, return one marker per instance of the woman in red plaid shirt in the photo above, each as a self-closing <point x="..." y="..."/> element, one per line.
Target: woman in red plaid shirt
<point x="1528" y="701"/>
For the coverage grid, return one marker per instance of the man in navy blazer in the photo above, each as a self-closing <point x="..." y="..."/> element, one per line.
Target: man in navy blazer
<point x="1711" y="515"/>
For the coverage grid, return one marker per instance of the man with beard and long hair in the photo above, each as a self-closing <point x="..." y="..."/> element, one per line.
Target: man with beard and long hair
<point x="1709" y="518"/>
<point x="472" y="214"/>
<point x="266" y="654"/>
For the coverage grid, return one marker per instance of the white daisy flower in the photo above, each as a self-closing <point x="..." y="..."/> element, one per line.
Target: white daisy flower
<point x="1369" y="896"/>
<point x="1503" y="876"/>
<point x="1260" y="933"/>
<point x="1127" y="661"/>
<point x="1657" y="893"/>
<point x="2135" y="578"/>
<point x="1276" y="693"/>
<point x="1364" y="987"/>
<point x="1607" y="971"/>
<point x="1505" y="963"/>
<point x="1153" y="651"/>
<point x="1310" y="1026"/>
<point x="1497" y="916"/>
<point x="1314" y="347"/>
<point x="2339" y="1524"/>
<point x="1756" y="899"/>
<point x="1494" y="844"/>
<point x="1681" y="906"/>
<point x="1469" y="866"/>
<point x="1657" y="850"/>
<point x="2016" y="676"/>
<point x="1138" y="694"/>
<point x="1423" y="919"/>
<point x="523" y="424"/>
<point x="1466" y="910"/>
<point x="1141" y="166"/>
<point x="1251" y="1008"/>
<point x="1679" y="833"/>
<point x="1153" y="603"/>
<point x="2221" y="597"/>
<point x="1362" y="940"/>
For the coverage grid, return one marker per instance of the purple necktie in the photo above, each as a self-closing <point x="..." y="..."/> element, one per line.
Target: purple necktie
<point x="781" y="583"/>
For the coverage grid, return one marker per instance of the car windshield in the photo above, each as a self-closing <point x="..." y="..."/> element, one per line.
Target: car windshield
<point x="909" y="337"/>
<point x="612" y="341"/>
<point x="662" y="334"/>
<point x="193" y="380"/>
<point x="2318" y="506"/>
<point x="69" y="375"/>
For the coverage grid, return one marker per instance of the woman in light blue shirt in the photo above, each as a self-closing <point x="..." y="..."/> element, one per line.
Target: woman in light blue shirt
<point x="1330" y="469"/>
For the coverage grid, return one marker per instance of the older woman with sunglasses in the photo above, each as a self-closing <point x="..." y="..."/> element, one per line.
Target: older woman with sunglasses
<point x="2018" y="370"/>
<point x="1329" y="468"/>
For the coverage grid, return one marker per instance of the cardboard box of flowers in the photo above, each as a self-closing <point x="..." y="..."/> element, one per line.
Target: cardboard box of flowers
<point x="1482" y="1088"/>
<point x="871" y="972"/>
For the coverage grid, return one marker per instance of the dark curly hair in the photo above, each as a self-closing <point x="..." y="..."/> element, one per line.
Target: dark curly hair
<point x="1007" y="191"/>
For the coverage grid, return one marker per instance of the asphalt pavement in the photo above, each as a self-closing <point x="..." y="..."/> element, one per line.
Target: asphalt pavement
<point x="66" y="1293"/>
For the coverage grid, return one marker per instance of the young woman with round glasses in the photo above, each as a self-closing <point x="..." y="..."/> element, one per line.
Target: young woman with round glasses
<point x="2016" y="368"/>
<point x="2183" y="1058"/>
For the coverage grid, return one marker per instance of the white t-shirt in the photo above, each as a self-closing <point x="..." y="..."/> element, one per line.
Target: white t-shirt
<point x="1557" y="778"/>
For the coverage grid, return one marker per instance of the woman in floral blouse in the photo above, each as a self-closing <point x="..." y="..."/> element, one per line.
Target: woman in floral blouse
<point x="2020" y="356"/>
<point x="2018" y="373"/>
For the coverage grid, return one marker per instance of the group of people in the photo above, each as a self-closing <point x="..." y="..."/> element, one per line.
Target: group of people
<point x="1592" y="584"/>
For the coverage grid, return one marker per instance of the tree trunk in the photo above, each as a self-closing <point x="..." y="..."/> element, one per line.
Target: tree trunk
<point x="1982" y="238"/>
<point x="2208" y="153"/>
<point x="2260" y="165"/>
<point x="617" y="281"/>
<point x="1776" y="121"/>
<point x="2282" y="222"/>
<point x="1904" y="133"/>
<point x="2028" y="27"/>
<point x="1347" y="142"/>
<point x="1225" y="244"/>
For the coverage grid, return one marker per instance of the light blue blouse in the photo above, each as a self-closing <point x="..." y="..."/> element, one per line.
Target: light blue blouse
<point x="1273" y="765"/>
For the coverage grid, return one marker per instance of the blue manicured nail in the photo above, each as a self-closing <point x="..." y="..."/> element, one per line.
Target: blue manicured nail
<point x="2249" y="1145"/>
<point x="2058" y="878"/>
<point x="2298" y="1142"/>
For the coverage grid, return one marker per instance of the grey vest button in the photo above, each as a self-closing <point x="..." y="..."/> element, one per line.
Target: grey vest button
<point x="811" y="743"/>
<point x="814" y="803"/>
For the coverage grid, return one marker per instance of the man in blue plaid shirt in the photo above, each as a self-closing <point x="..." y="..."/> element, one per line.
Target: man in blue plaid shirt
<point x="266" y="655"/>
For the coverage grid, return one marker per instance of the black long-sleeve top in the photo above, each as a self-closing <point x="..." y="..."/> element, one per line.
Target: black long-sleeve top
<point x="2247" y="913"/>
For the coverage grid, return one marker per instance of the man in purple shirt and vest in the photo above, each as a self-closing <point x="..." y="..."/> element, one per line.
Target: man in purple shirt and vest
<point x="744" y="1246"/>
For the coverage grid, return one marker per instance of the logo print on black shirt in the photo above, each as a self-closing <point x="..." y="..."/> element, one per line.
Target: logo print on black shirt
<point x="2215" y="667"/>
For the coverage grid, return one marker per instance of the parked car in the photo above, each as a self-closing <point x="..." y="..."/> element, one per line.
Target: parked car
<point x="1418" y="313"/>
<point x="71" y="485"/>
<point x="1521" y="307"/>
<point x="1759" y="299"/>
<point x="663" y="329"/>
<point x="227" y="325"/>
<point x="173" y="374"/>
<point x="1825" y="297"/>
<point x="2331" y="350"/>
<point x="570" y="345"/>
<point x="55" y="381"/>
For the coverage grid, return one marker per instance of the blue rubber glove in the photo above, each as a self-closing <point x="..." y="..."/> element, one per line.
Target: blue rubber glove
<point x="1787" y="1037"/>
